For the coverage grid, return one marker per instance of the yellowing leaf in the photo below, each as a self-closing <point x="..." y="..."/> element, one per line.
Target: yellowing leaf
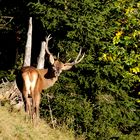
<point x="138" y="101"/>
<point x="118" y="34"/>
<point x="116" y="39"/>
<point x="135" y="70"/>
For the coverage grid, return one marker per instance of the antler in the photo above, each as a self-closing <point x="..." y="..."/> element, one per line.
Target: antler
<point x="68" y="66"/>
<point x="51" y="58"/>
<point x="77" y="60"/>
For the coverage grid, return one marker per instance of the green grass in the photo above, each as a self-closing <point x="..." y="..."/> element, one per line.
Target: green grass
<point x="14" y="127"/>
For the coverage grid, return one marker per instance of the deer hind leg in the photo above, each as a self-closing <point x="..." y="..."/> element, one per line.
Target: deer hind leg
<point x="33" y="94"/>
<point x="36" y="103"/>
<point x="26" y="92"/>
<point x="27" y="103"/>
<point x="33" y="108"/>
<point x="28" y="106"/>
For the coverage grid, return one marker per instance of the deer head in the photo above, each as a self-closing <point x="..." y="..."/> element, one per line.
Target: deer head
<point x="58" y="66"/>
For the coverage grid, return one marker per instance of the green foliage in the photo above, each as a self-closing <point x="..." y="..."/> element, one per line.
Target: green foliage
<point x="98" y="97"/>
<point x="119" y="118"/>
<point x="9" y="75"/>
<point x="76" y="112"/>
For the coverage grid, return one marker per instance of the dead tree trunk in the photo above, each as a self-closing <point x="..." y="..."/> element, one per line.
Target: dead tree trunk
<point x="41" y="60"/>
<point x="28" y="47"/>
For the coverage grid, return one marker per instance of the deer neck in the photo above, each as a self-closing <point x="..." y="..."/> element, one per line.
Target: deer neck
<point x="48" y="79"/>
<point x="49" y="82"/>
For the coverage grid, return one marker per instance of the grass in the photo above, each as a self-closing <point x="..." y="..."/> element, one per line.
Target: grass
<point x="14" y="127"/>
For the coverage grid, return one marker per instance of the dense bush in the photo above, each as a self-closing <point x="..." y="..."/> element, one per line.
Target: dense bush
<point x="99" y="96"/>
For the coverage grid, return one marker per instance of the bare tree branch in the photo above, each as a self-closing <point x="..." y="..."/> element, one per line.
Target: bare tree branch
<point x="3" y="22"/>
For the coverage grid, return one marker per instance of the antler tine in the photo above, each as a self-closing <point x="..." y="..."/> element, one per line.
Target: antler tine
<point x="78" y="55"/>
<point x="48" y="37"/>
<point x="47" y="40"/>
<point x="58" y="55"/>
<point x="76" y="61"/>
<point x="51" y="58"/>
<point x="69" y="60"/>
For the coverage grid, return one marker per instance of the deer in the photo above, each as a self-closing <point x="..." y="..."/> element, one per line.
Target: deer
<point x="35" y="80"/>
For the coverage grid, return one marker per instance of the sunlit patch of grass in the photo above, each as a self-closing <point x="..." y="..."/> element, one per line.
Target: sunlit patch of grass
<point x="13" y="126"/>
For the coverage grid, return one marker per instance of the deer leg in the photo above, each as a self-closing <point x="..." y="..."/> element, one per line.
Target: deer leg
<point x="37" y="103"/>
<point x="26" y="93"/>
<point x="32" y="104"/>
<point x="33" y="107"/>
<point x="27" y="103"/>
<point x="35" y="112"/>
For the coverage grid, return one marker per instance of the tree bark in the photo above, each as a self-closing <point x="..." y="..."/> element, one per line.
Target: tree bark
<point x="44" y="46"/>
<point x="27" y="58"/>
<point x="41" y="58"/>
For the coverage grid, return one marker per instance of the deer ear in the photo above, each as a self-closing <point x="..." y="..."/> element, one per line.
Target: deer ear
<point x="66" y="67"/>
<point x="51" y="59"/>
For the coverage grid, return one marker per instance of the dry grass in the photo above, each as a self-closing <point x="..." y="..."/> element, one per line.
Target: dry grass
<point x="14" y="127"/>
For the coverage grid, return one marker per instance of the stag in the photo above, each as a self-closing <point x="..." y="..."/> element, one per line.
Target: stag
<point x="35" y="80"/>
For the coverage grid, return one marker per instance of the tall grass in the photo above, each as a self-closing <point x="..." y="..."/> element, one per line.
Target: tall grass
<point x="14" y="127"/>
